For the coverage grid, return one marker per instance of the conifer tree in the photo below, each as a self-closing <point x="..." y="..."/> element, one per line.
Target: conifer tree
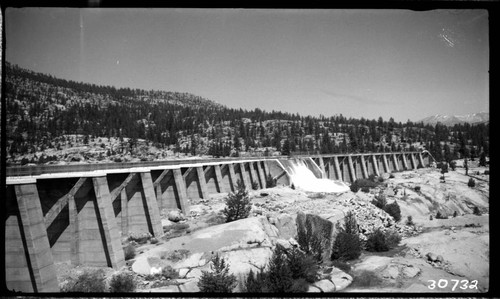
<point x="279" y="275"/>
<point x="238" y="205"/>
<point x="285" y="151"/>
<point x="219" y="280"/>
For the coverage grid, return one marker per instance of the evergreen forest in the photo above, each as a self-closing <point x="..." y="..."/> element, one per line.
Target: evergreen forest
<point x="42" y="111"/>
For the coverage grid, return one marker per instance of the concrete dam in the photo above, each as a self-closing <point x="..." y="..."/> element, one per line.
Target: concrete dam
<point x="78" y="214"/>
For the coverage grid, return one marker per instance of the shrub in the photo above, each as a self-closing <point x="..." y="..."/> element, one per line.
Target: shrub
<point x="365" y="189"/>
<point x="302" y="265"/>
<point x="123" y="282"/>
<point x="151" y="277"/>
<point x="409" y="221"/>
<point x="129" y="252"/>
<point x="381" y="179"/>
<point x="392" y="238"/>
<point x="417" y="188"/>
<point x="360" y="183"/>
<point x="300" y="285"/>
<point x="238" y="204"/>
<point x="219" y="280"/>
<point x="471" y="183"/>
<point x="486" y="172"/>
<point x="379" y="241"/>
<point x="24" y="161"/>
<point x="255" y="282"/>
<point x="354" y="187"/>
<point x="288" y="271"/>
<point x="393" y="210"/>
<point x="455" y="214"/>
<point x="178" y="255"/>
<point x="279" y="275"/>
<point x="316" y="195"/>
<point x="372" y="177"/>
<point x="366" y="279"/>
<point x="255" y="185"/>
<point x="169" y="273"/>
<point x="477" y="211"/>
<point x="453" y="165"/>
<point x="440" y="216"/>
<point x="270" y="181"/>
<point x="380" y="201"/>
<point x="153" y="240"/>
<point x="88" y="281"/>
<point x="430" y="217"/>
<point x="472" y="225"/>
<point x="391" y="176"/>
<point x="140" y="237"/>
<point x="347" y="245"/>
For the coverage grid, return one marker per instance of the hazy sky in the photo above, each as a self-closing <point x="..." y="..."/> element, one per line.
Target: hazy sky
<point x="358" y="63"/>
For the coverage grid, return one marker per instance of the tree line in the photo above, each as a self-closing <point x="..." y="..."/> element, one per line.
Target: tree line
<point x="41" y="107"/>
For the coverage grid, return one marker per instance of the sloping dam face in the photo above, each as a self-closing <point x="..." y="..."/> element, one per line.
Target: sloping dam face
<point x="81" y="217"/>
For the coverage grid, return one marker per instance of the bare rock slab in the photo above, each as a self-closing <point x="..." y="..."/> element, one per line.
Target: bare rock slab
<point x="337" y="281"/>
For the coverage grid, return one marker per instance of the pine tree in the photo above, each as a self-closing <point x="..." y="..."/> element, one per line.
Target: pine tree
<point x="482" y="159"/>
<point x="279" y="275"/>
<point x="285" y="151"/>
<point x="347" y="245"/>
<point x="219" y="280"/>
<point x="444" y="169"/>
<point x="236" y="142"/>
<point x="238" y="205"/>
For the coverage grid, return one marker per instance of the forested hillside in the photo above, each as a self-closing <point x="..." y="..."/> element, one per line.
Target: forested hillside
<point x="48" y="117"/>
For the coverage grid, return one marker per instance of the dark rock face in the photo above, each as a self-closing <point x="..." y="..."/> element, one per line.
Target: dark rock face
<point x="321" y="228"/>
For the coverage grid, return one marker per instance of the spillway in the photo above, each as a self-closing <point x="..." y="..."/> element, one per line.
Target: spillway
<point x="303" y="178"/>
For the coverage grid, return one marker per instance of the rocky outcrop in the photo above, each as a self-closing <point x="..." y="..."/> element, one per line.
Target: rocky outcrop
<point x="245" y="244"/>
<point x="320" y="227"/>
<point x="388" y="268"/>
<point x="286" y="225"/>
<point x="335" y="281"/>
<point x="175" y="216"/>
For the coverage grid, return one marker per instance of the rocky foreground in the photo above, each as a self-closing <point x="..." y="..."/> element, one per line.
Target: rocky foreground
<point x="435" y="255"/>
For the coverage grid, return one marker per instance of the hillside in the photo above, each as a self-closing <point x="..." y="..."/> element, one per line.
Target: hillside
<point x="52" y="120"/>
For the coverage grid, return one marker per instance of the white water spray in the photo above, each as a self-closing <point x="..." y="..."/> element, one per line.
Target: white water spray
<point x="303" y="178"/>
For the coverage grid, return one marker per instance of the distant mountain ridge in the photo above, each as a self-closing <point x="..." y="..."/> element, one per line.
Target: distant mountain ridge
<point x="450" y="120"/>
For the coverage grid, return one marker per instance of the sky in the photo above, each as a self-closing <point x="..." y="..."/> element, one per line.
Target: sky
<point x="359" y="63"/>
